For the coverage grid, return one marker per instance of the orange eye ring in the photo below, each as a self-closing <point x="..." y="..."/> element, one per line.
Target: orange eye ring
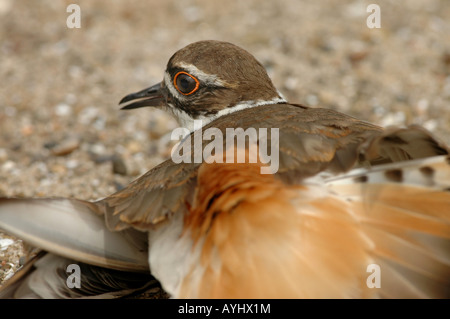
<point x="185" y="83"/>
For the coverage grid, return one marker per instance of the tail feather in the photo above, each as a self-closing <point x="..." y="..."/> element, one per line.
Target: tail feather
<point x="397" y="282"/>
<point x="404" y="209"/>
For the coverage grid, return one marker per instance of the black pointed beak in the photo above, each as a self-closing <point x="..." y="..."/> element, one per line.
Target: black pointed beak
<point x="152" y="96"/>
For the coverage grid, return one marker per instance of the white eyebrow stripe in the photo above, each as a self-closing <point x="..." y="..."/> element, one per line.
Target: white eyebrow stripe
<point x="208" y="79"/>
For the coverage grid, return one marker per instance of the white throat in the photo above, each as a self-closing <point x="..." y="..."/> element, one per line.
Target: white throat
<point x="187" y="121"/>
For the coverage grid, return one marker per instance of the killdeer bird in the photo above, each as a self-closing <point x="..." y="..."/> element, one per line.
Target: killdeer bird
<point x="352" y="211"/>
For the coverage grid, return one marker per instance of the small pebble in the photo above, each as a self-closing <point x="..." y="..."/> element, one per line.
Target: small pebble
<point x="8" y="166"/>
<point x="3" y="155"/>
<point x="27" y="130"/>
<point x="134" y="147"/>
<point x="10" y="111"/>
<point x="71" y="164"/>
<point x="5" y="242"/>
<point x="58" y="169"/>
<point x="119" y="166"/>
<point x="97" y="149"/>
<point x="291" y="83"/>
<point x="63" y="109"/>
<point x="66" y="147"/>
<point x="356" y="57"/>
<point x="22" y="260"/>
<point x="312" y="100"/>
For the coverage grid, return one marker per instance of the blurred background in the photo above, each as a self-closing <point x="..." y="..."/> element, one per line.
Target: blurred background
<point x="61" y="130"/>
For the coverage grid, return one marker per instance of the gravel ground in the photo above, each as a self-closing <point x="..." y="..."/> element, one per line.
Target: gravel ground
<point x="61" y="131"/>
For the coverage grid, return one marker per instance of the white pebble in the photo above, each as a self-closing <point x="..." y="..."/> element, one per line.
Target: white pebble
<point x="63" y="109"/>
<point x="291" y="83"/>
<point x="98" y="149"/>
<point x="8" y="274"/>
<point x="5" y="242"/>
<point x="430" y="125"/>
<point x="71" y="98"/>
<point x="95" y="182"/>
<point x="71" y="164"/>
<point x="312" y="100"/>
<point x="8" y="166"/>
<point x="397" y="118"/>
<point x="422" y="106"/>
<point x="88" y="114"/>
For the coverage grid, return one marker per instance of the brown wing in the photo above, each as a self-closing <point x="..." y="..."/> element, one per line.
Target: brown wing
<point x="151" y="198"/>
<point x="311" y="140"/>
<point x="401" y="144"/>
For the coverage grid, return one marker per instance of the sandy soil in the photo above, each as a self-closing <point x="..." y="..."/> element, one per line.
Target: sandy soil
<point x="61" y="130"/>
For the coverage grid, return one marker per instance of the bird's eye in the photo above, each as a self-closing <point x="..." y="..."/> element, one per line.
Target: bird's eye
<point x="185" y="83"/>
